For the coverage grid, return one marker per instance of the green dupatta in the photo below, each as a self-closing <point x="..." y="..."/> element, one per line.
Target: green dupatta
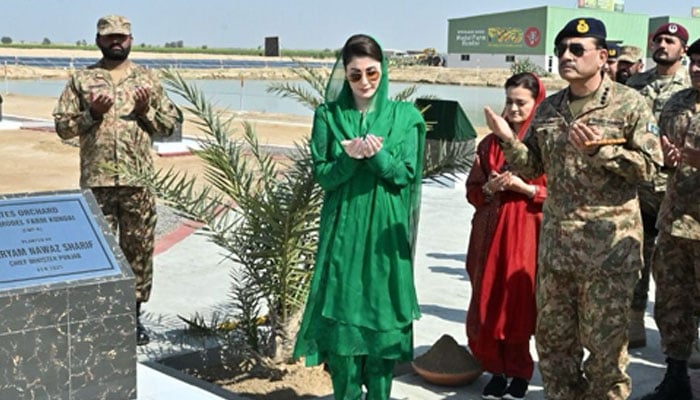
<point x="362" y="299"/>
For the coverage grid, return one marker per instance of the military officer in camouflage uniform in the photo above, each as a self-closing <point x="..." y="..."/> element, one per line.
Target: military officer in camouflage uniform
<point x="656" y="85"/>
<point x="629" y="63"/>
<point x="115" y="107"/>
<point x="675" y="263"/>
<point x="595" y="142"/>
<point x="611" y="65"/>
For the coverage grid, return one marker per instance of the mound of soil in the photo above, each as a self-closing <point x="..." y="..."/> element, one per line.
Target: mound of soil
<point x="448" y="357"/>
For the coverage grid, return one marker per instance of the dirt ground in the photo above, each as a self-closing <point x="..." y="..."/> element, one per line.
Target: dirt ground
<point x="37" y="160"/>
<point x="299" y="382"/>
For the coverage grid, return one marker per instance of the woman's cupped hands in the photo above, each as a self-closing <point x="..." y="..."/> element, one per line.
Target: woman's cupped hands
<point x="362" y="147"/>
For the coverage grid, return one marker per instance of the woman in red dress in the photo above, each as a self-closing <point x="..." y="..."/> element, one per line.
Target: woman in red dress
<point x="502" y="255"/>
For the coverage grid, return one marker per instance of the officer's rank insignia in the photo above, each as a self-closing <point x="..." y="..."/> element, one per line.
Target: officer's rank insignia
<point x="582" y="26"/>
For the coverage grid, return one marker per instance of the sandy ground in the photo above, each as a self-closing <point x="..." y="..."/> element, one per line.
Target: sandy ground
<point x="37" y="160"/>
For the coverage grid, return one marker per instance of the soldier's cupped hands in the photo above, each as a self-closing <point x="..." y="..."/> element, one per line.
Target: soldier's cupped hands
<point x="142" y="95"/>
<point x="100" y="103"/>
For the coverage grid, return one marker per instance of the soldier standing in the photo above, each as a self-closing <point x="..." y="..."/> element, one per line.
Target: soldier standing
<point x="656" y="85"/>
<point x="115" y="107"/>
<point x="611" y="65"/>
<point x="629" y="63"/>
<point x="675" y="260"/>
<point x="594" y="141"/>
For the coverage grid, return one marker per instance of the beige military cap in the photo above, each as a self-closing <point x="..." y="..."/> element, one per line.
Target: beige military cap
<point x="113" y="25"/>
<point x="631" y="54"/>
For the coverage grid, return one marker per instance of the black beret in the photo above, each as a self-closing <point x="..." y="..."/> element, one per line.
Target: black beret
<point x="613" y="51"/>
<point x="582" y="27"/>
<point x="694" y="48"/>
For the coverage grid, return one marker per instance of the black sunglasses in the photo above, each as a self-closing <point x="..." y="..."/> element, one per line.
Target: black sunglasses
<point x="576" y="49"/>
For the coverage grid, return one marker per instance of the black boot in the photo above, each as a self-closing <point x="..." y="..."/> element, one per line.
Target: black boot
<point x="141" y="335"/>
<point x="676" y="383"/>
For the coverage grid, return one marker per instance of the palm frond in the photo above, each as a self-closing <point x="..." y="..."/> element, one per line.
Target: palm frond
<point x="310" y="98"/>
<point x="406" y="94"/>
<point x="446" y="158"/>
<point x="295" y="92"/>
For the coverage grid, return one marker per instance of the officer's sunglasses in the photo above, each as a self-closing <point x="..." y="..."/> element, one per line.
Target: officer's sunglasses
<point x="576" y="49"/>
<point x="371" y="73"/>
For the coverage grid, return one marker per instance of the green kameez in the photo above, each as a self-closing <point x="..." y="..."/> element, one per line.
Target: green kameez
<point x="362" y="299"/>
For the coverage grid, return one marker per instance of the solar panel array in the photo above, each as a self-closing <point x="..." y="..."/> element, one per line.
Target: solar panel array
<point x="79" y="62"/>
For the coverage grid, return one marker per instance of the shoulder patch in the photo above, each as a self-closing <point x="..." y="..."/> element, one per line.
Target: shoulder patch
<point x="653" y="128"/>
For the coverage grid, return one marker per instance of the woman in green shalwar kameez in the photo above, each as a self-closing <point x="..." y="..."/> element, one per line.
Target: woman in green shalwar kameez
<point x="367" y="152"/>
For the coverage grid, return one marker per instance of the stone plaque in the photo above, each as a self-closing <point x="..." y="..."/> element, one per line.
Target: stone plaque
<point x="67" y="300"/>
<point x="49" y="239"/>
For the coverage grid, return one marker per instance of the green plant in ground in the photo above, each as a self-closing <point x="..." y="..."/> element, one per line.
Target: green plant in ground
<point x="525" y="65"/>
<point x="263" y="212"/>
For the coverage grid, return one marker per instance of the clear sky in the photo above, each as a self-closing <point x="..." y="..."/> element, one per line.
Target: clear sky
<point x="299" y="24"/>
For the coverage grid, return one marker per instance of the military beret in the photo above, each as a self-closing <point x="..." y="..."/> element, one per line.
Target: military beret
<point x="613" y="51"/>
<point x="672" y="29"/>
<point x="582" y="27"/>
<point x="630" y="54"/>
<point x="694" y="48"/>
<point x="113" y="25"/>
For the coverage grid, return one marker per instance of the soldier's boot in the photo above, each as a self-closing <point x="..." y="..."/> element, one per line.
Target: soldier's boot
<point x="637" y="332"/>
<point x="141" y="335"/>
<point x="676" y="383"/>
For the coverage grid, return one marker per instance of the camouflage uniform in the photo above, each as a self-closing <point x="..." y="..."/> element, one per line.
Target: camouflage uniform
<point x="119" y="138"/>
<point x="590" y="246"/>
<point x="651" y="193"/>
<point x="675" y="263"/>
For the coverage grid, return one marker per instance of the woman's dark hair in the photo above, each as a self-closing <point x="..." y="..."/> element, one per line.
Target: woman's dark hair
<point x="526" y="80"/>
<point x="361" y="46"/>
